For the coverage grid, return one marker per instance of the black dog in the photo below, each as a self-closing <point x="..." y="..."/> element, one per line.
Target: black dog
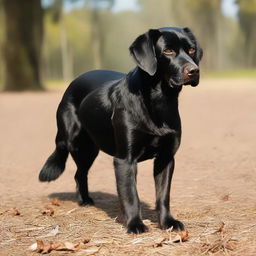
<point x="132" y="117"/>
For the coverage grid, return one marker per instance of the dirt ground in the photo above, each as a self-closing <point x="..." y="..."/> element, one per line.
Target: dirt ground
<point x="213" y="190"/>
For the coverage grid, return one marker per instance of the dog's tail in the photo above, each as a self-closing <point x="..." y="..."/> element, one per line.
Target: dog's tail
<point x="55" y="164"/>
<point x="68" y="130"/>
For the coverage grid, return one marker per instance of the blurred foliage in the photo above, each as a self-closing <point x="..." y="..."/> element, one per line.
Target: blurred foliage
<point x="1" y="44"/>
<point x="247" y="20"/>
<point x="93" y="36"/>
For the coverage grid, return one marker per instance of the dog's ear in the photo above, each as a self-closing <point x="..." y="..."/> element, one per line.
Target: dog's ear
<point x="143" y="51"/>
<point x="199" y="52"/>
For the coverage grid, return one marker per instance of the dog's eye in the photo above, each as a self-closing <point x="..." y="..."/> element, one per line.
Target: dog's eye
<point x="191" y="51"/>
<point x="169" y="52"/>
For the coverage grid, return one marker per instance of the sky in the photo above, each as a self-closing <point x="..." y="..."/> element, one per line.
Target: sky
<point x="229" y="7"/>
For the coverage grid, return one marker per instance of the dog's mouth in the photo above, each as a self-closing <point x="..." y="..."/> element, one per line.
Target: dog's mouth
<point x="174" y="83"/>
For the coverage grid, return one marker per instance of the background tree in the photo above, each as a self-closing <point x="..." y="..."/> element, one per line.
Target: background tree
<point x="97" y="29"/>
<point x="247" y="20"/>
<point x="1" y="43"/>
<point x="58" y="16"/>
<point x="23" y="44"/>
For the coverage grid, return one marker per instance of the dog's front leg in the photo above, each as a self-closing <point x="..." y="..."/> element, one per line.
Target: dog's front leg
<point x="125" y="172"/>
<point x="163" y="171"/>
<point x="125" y="163"/>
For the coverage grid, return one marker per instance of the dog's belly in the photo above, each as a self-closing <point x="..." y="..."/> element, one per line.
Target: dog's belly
<point x="148" y="153"/>
<point x="95" y="118"/>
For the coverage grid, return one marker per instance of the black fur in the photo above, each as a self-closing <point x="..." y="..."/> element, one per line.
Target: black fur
<point x="132" y="117"/>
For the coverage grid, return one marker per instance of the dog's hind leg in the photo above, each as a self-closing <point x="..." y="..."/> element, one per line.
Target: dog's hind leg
<point x="84" y="153"/>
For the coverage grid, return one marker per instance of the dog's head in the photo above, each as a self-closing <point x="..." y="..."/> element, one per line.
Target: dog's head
<point x="171" y="53"/>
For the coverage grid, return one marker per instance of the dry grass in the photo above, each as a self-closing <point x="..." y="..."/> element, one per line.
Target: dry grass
<point x="91" y="231"/>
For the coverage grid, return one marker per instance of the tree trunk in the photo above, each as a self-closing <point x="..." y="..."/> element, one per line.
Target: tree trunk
<point x="65" y="53"/>
<point x="96" y="42"/>
<point x="22" y="45"/>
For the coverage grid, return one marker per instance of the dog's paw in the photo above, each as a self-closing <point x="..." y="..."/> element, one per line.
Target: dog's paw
<point x="170" y="222"/>
<point x="86" y="202"/>
<point x="136" y="226"/>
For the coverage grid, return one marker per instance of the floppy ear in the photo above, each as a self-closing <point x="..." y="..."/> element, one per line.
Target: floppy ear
<point x="143" y="51"/>
<point x="199" y="53"/>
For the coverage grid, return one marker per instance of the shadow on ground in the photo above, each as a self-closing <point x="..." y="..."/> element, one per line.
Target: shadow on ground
<point x="109" y="203"/>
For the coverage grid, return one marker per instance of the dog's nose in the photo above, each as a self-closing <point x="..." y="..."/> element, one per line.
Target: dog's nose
<point x="190" y="72"/>
<point x="194" y="71"/>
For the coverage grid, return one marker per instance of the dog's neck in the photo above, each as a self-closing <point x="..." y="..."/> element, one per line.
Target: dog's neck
<point x="139" y="80"/>
<point x="159" y="100"/>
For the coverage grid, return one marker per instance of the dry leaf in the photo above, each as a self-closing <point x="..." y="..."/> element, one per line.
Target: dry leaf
<point x="48" y="211"/>
<point x="225" y="197"/>
<point x="33" y="247"/>
<point x="41" y="247"/>
<point x="86" y="240"/>
<point x="182" y="236"/>
<point x="221" y="228"/>
<point x="67" y="246"/>
<point x="15" y="212"/>
<point x="55" y="202"/>
<point x="47" y="248"/>
<point x="37" y="247"/>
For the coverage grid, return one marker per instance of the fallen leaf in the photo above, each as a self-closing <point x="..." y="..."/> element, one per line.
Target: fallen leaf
<point x="225" y="197"/>
<point x="221" y="228"/>
<point x="15" y="212"/>
<point x="48" y="211"/>
<point x="44" y="248"/>
<point x="33" y="247"/>
<point x="69" y="246"/>
<point x="86" y="240"/>
<point x="182" y="236"/>
<point x="47" y="248"/>
<point x="40" y="246"/>
<point x="37" y="247"/>
<point x="76" y="245"/>
<point x="55" y="202"/>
